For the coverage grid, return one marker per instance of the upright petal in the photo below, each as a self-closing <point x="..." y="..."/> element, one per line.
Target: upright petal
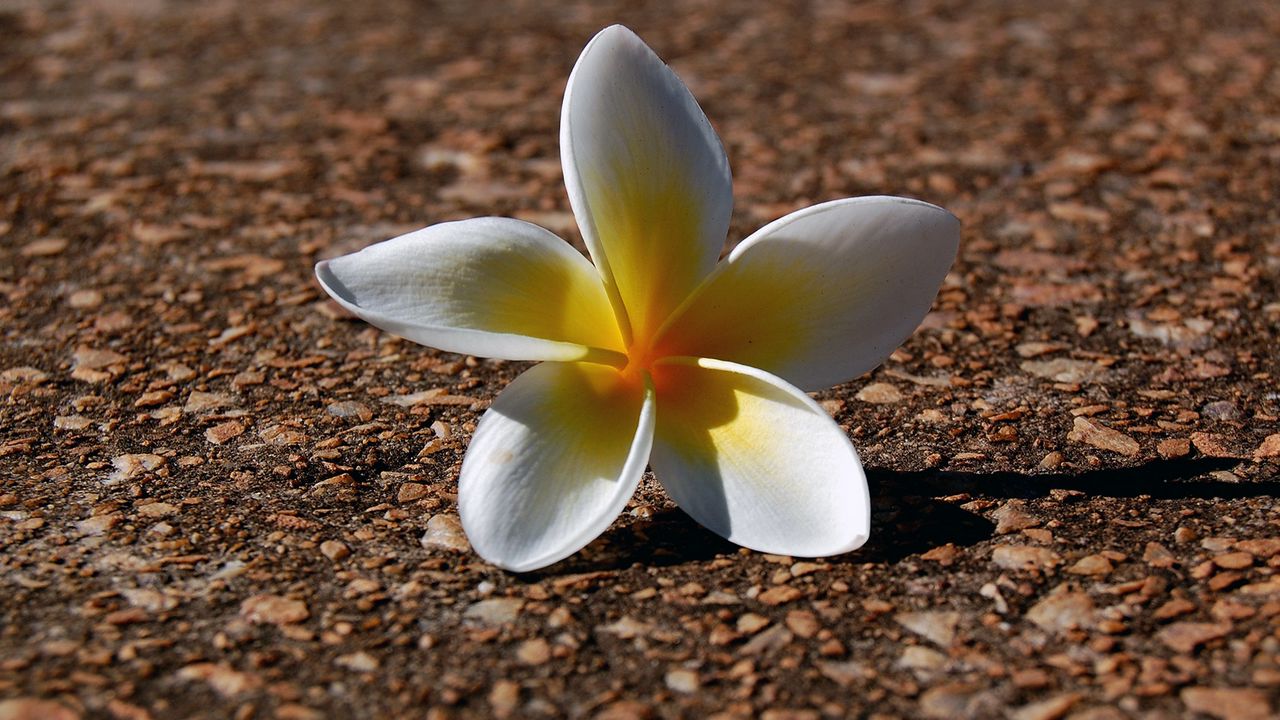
<point x="491" y="286"/>
<point x="553" y="462"/>
<point x="755" y="460"/>
<point x="824" y="294"/>
<point x="647" y="176"/>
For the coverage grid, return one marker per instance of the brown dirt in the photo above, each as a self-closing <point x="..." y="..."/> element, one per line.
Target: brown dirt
<point x="214" y="486"/>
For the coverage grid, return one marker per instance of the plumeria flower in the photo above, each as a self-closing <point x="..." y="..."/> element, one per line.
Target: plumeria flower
<point x="654" y="354"/>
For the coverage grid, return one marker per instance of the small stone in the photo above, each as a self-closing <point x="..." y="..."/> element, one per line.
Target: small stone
<point x="1174" y="608"/>
<point x="1024" y="557"/>
<point x="803" y="623"/>
<point x="86" y="358"/>
<point x="71" y="422"/>
<point x="201" y="402"/>
<point x="1211" y="445"/>
<point x="1270" y="448"/>
<point x="1233" y="560"/>
<point x="334" y="550"/>
<point x="24" y="374"/>
<point x="99" y="524"/>
<point x="357" y="661"/>
<point x="280" y="435"/>
<point x="1102" y="437"/>
<point x="129" y="467"/>
<point x="626" y="628"/>
<point x="880" y="394"/>
<point x="1049" y="709"/>
<point x="1093" y="565"/>
<point x="274" y="610"/>
<point x="1228" y="703"/>
<point x="1052" y="460"/>
<point x="1221" y="410"/>
<point x="157" y="509"/>
<point x="29" y="708"/>
<point x="1158" y="556"/>
<point x="338" y="487"/>
<point x="494" y="611"/>
<point x="1012" y="517"/>
<point x="504" y="698"/>
<point x="1172" y="448"/>
<point x="85" y="299"/>
<point x="444" y="532"/>
<point x="845" y="673"/>
<point x="751" y="623"/>
<point x="350" y="408"/>
<point x="683" y="681"/>
<point x="1065" y="370"/>
<point x="44" y="247"/>
<point x="779" y="595"/>
<point x="1184" y="637"/>
<point x="1264" y="548"/>
<point x="411" y="491"/>
<point x="918" y="657"/>
<point x="533" y="652"/>
<point x="224" y="680"/>
<point x="1063" y="610"/>
<point x="1184" y="535"/>
<point x="775" y="638"/>
<point x="955" y="701"/>
<point x="222" y="432"/>
<point x="937" y="626"/>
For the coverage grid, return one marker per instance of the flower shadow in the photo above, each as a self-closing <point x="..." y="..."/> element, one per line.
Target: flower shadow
<point x="911" y="515"/>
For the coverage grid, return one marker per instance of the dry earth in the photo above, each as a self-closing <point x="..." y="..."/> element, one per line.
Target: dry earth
<point x="221" y="498"/>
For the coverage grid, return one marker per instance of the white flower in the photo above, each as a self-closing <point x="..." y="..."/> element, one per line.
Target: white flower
<point x="656" y="353"/>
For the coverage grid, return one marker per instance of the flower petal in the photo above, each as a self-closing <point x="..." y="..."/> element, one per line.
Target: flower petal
<point x="647" y="177"/>
<point x="755" y="460"/>
<point x="553" y="462"/>
<point x="824" y="294"/>
<point x="494" y="287"/>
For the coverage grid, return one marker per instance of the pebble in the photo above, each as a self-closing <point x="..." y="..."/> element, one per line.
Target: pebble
<point x="880" y="394"/>
<point x="29" y="708"/>
<point x="533" y="652"/>
<point x="1062" y="610"/>
<point x="1025" y="557"/>
<point x="1184" y="637"/>
<point x="71" y="422"/>
<point x="202" y="402"/>
<point x="360" y="661"/>
<point x="1012" y="517"/>
<point x="779" y="595"/>
<point x="1211" y="445"/>
<point x="1065" y="370"/>
<point x="957" y="701"/>
<point x="1093" y="565"/>
<point x="411" y="491"/>
<point x="1264" y="548"/>
<point x="1270" y="448"/>
<point x="274" y="610"/>
<point x="494" y="611"/>
<point x="1221" y="410"/>
<point x="350" y="408"/>
<point x="44" y="247"/>
<point x="1102" y="437"/>
<point x="444" y="532"/>
<point x="918" y="657"/>
<point x="683" y="681"/>
<point x="937" y="626"/>
<point x="1228" y="703"/>
<point x="751" y="623"/>
<point x="335" y="550"/>
<point x="130" y="466"/>
<point x="1172" y="448"/>
<point x="223" y="432"/>
<point x="1048" y="709"/>
<point x="504" y="698"/>
<point x="222" y="678"/>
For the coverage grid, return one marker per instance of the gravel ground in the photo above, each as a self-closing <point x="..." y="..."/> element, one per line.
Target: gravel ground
<point x="220" y="497"/>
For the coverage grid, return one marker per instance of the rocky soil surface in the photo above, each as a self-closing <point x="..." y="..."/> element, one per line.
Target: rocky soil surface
<point x="222" y="498"/>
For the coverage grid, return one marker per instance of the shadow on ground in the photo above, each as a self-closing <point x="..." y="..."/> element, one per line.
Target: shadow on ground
<point x="909" y="516"/>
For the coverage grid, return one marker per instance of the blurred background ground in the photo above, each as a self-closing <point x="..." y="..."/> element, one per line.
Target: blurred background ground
<point x="221" y="498"/>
